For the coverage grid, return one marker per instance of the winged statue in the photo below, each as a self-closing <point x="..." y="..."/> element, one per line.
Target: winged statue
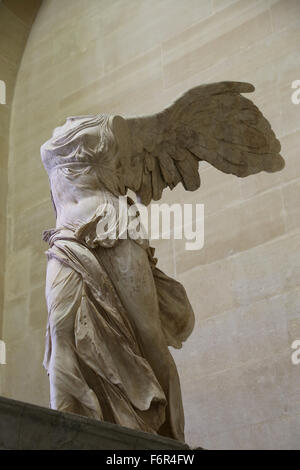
<point x="112" y="313"/>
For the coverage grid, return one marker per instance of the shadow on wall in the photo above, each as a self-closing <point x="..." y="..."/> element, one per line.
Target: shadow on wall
<point x="16" y="19"/>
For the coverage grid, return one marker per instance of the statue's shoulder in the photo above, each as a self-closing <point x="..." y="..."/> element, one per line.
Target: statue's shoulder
<point x="45" y="154"/>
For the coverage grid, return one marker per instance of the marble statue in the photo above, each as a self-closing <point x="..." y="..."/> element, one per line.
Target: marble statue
<point x="112" y="312"/>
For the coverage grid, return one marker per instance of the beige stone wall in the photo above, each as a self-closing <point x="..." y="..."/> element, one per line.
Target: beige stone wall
<point x="15" y="24"/>
<point x="239" y="386"/>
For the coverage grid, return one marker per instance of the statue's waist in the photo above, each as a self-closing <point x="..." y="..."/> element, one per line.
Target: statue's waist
<point x="98" y="224"/>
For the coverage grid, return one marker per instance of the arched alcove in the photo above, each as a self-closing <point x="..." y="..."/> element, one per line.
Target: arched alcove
<point x="16" y="19"/>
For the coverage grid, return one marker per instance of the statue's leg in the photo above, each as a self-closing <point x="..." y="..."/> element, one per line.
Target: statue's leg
<point x="68" y="389"/>
<point x="129" y="269"/>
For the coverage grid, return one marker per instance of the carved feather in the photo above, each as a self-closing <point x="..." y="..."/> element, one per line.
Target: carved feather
<point x="211" y="122"/>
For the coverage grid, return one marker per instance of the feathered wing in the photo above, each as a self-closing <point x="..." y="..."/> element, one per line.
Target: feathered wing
<point x="211" y="122"/>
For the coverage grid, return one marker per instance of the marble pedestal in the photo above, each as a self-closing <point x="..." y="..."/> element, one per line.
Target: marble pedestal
<point x="26" y="426"/>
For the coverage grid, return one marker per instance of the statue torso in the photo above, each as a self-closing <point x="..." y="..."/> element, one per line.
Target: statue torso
<point x="78" y="194"/>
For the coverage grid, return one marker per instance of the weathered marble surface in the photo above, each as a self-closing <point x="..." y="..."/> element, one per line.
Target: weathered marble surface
<point x="29" y="427"/>
<point x="112" y="313"/>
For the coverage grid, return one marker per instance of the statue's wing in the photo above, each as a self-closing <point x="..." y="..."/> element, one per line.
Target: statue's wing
<point x="211" y="122"/>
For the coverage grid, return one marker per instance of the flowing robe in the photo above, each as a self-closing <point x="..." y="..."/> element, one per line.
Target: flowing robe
<point x="112" y="312"/>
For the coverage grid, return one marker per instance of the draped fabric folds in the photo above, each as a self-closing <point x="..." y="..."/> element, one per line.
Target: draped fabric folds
<point x="102" y="372"/>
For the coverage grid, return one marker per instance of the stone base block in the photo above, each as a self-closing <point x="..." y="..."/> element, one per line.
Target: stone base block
<point x="31" y="427"/>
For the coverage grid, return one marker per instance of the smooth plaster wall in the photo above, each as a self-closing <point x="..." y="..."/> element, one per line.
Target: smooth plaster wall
<point x="239" y="386"/>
